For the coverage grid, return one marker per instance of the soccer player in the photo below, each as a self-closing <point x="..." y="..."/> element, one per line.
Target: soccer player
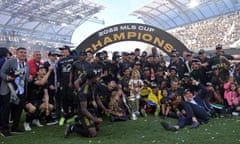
<point x="38" y="98"/>
<point x="89" y="103"/>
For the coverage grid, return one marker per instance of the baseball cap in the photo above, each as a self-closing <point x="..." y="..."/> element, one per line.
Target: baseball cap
<point x="160" y="69"/>
<point x="173" y="68"/>
<point x="137" y="63"/>
<point x="186" y="75"/>
<point x="208" y="84"/>
<point x="187" y="90"/>
<point x="201" y="51"/>
<point x="213" y="67"/>
<point x="64" y="48"/>
<point x="54" y="52"/>
<point x="146" y="68"/>
<point x="125" y="53"/>
<point x="154" y="85"/>
<point x="189" y="54"/>
<point x="144" y="54"/>
<point x="173" y="55"/>
<point x="195" y="60"/>
<point x="41" y="66"/>
<point x="219" y="46"/>
<point x="82" y="52"/>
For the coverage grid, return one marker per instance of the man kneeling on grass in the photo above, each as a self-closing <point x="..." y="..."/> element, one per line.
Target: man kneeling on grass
<point x="88" y="109"/>
<point x="193" y="111"/>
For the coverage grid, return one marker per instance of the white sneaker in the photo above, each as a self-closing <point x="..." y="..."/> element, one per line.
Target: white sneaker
<point x="37" y="123"/>
<point x="235" y="113"/>
<point x="27" y="126"/>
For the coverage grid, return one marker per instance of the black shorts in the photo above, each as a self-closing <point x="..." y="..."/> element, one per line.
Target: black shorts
<point x="36" y="103"/>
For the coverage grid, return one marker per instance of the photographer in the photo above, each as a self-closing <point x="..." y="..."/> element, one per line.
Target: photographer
<point x="16" y="71"/>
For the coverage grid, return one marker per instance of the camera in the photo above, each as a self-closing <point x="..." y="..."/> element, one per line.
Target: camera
<point x="13" y="73"/>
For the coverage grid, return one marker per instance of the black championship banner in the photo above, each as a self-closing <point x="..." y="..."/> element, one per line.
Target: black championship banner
<point x="132" y="32"/>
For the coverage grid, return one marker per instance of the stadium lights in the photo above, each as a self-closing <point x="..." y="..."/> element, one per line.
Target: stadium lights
<point x="64" y="24"/>
<point x="193" y="3"/>
<point x="68" y="12"/>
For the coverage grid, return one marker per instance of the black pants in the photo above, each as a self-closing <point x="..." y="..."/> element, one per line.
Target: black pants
<point x="67" y="100"/>
<point x="193" y="110"/>
<point x="1" y="107"/>
<point x="13" y="110"/>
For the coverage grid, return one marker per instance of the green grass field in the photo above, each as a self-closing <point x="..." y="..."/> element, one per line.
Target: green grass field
<point x="142" y="131"/>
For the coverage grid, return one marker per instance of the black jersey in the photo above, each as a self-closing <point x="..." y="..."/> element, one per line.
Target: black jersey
<point x="64" y="67"/>
<point x="87" y="93"/>
<point x="35" y="92"/>
<point x="221" y="64"/>
<point x="80" y="67"/>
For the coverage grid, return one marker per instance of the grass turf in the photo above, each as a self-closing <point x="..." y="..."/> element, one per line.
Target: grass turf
<point x="142" y="131"/>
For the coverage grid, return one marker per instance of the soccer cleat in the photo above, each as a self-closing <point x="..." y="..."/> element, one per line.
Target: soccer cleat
<point x="61" y="121"/>
<point x="68" y="130"/>
<point x="156" y="113"/>
<point x="72" y="119"/>
<point x="37" y="123"/>
<point x="51" y="122"/>
<point x="194" y="125"/>
<point x="27" y="126"/>
<point x="168" y="127"/>
<point x="143" y="112"/>
<point x="137" y="113"/>
<point x="5" y="133"/>
<point x="17" y="131"/>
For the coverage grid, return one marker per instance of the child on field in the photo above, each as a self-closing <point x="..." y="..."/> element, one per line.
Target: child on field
<point x="166" y="103"/>
<point x="135" y="85"/>
<point x="116" y="106"/>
